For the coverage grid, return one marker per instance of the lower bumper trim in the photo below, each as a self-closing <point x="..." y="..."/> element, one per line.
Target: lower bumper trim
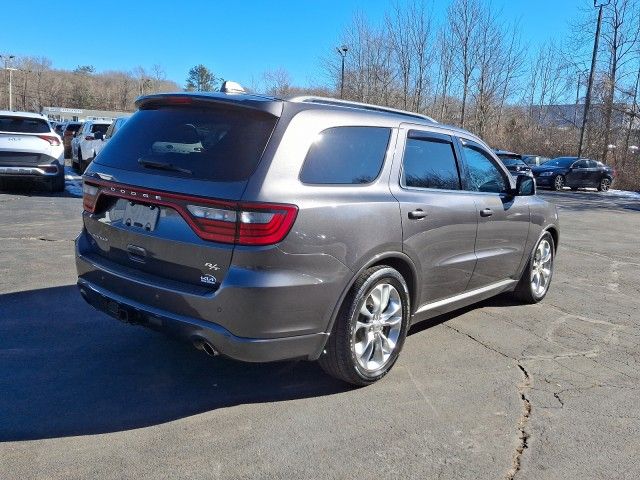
<point x="193" y="330"/>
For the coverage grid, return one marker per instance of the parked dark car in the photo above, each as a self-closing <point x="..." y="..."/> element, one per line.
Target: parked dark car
<point x="574" y="173"/>
<point x="513" y="162"/>
<point x="266" y="229"/>
<point x="534" y="160"/>
<point x="70" y="130"/>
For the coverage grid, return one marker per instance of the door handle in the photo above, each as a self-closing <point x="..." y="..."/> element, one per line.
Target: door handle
<point x="417" y="214"/>
<point x="487" y="212"/>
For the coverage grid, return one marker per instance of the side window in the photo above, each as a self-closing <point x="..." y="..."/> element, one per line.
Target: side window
<point x="430" y="163"/>
<point x="346" y="155"/>
<point x="484" y="174"/>
<point x="580" y="164"/>
<point x="592" y="164"/>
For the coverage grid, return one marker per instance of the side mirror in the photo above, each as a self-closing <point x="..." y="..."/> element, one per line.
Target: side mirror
<point x="525" y="186"/>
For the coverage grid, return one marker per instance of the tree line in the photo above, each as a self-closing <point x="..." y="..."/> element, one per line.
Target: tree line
<point x="471" y="68"/>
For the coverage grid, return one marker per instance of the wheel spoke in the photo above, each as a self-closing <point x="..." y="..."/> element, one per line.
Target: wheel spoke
<point x="393" y="309"/>
<point x="385" y="291"/>
<point x="365" y="311"/>
<point x="375" y="297"/>
<point x="387" y="344"/>
<point x="361" y="325"/>
<point x="378" y="353"/>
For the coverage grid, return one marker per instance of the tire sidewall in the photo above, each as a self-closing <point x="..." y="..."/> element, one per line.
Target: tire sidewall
<point x="385" y="275"/>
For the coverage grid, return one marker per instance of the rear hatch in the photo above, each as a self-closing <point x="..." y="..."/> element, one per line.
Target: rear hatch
<point x="26" y="142"/>
<point x="163" y="197"/>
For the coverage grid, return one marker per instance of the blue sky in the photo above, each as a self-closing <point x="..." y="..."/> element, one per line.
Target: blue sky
<point x="237" y="40"/>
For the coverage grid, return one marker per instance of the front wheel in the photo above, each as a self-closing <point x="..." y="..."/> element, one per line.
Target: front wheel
<point x="370" y="329"/>
<point x="604" y="185"/>
<point x="536" y="278"/>
<point x="558" y="183"/>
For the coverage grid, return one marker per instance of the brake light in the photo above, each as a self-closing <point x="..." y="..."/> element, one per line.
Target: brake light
<point x="52" y="139"/>
<point x="239" y="223"/>
<point x="89" y="197"/>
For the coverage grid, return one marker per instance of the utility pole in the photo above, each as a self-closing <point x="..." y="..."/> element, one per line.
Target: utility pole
<point x="587" y="100"/>
<point x="7" y="59"/>
<point x="342" y="51"/>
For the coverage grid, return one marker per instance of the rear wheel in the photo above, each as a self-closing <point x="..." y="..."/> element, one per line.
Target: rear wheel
<point x="56" y="184"/>
<point x="604" y="185"/>
<point x="558" y="183"/>
<point x="370" y="330"/>
<point x="536" y="278"/>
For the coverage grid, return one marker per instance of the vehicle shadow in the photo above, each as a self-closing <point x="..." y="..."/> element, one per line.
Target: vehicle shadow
<point x="29" y="188"/>
<point x="66" y="369"/>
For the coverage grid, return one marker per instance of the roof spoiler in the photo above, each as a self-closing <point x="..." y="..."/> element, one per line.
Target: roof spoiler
<point x="267" y="105"/>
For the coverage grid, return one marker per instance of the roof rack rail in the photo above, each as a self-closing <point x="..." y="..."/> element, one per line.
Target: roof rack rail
<point x="362" y="106"/>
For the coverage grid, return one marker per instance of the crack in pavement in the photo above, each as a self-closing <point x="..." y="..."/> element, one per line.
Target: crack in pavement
<point x="523" y="388"/>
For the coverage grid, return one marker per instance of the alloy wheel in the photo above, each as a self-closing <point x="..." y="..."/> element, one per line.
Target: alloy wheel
<point x="541" y="268"/>
<point x="378" y="327"/>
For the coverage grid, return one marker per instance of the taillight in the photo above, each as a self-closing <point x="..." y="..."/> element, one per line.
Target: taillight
<point x="214" y="220"/>
<point x="52" y="139"/>
<point x="244" y="223"/>
<point x="89" y="196"/>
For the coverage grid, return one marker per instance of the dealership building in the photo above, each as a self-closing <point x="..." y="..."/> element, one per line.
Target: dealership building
<point x="61" y="114"/>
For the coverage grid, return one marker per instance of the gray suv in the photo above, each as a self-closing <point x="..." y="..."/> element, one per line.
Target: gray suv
<point x="266" y="229"/>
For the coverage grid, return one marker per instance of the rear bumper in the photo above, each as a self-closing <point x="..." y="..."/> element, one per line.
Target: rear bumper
<point x="41" y="171"/>
<point x="196" y="331"/>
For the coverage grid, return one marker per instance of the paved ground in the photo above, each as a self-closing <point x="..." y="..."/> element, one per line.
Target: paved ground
<point x="495" y="391"/>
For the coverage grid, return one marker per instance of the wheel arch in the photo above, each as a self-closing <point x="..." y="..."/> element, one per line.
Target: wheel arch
<point x="396" y="260"/>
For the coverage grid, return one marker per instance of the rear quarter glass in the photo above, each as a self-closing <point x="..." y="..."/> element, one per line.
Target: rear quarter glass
<point x="217" y="144"/>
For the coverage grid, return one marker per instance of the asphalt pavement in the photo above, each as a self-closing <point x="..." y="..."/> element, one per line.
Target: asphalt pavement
<point x="494" y="391"/>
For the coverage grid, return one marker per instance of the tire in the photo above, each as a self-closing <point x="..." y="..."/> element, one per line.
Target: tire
<point x="526" y="291"/>
<point x="574" y="189"/>
<point x="558" y="183"/>
<point x="604" y="185"/>
<point x="356" y="348"/>
<point x="56" y="184"/>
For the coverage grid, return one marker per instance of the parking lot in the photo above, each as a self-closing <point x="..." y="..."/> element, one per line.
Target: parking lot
<point x="497" y="390"/>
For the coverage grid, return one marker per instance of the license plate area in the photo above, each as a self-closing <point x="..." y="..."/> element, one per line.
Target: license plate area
<point x="141" y="216"/>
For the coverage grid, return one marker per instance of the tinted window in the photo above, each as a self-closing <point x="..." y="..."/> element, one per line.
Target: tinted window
<point x="346" y="155"/>
<point x="580" y="164"/>
<point x="561" y="162"/>
<point x="73" y="127"/>
<point x="99" y="127"/>
<point x="592" y="164"/>
<point x="23" y="125"/>
<point x="430" y="164"/>
<point x="220" y="144"/>
<point x="484" y="175"/>
<point x="512" y="161"/>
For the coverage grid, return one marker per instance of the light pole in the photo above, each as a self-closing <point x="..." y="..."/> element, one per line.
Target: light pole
<point x="342" y="51"/>
<point x="7" y="59"/>
<point x="587" y="100"/>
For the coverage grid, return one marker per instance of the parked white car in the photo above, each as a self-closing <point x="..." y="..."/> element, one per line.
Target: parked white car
<point x="83" y="145"/>
<point x="111" y="131"/>
<point x="29" y="148"/>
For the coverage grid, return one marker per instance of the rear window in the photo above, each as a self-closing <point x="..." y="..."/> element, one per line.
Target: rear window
<point x="73" y="127"/>
<point x="218" y="144"/>
<point x="23" y="125"/>
<point x="346" y="156"/>
<point x="99" y="127"/>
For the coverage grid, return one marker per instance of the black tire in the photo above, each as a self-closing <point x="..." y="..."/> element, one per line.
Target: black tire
<point x="558" y="183"/>
<point x="56" y="184"/>
<point x="524" y="291"/>
<point x="574" y="189"/>
<point x="339" y="358"/>
<point x="604" y="185"/>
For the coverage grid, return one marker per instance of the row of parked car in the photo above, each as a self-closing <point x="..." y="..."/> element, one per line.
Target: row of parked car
<point x="560" y="172"/>
<point x="84" y="140"/>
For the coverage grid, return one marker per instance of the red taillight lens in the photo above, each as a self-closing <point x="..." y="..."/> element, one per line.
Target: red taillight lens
<point x="213" y="220"/>
<point x="89" y="196"/>
<point x="53" y="140"/>
<point x="263" y="224"/>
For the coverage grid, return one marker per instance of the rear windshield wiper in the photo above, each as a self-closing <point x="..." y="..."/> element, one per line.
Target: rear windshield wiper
<point x="163" y="166"/>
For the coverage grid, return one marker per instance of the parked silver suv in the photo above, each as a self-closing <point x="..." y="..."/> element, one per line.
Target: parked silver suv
<point x="267" y="229"/>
